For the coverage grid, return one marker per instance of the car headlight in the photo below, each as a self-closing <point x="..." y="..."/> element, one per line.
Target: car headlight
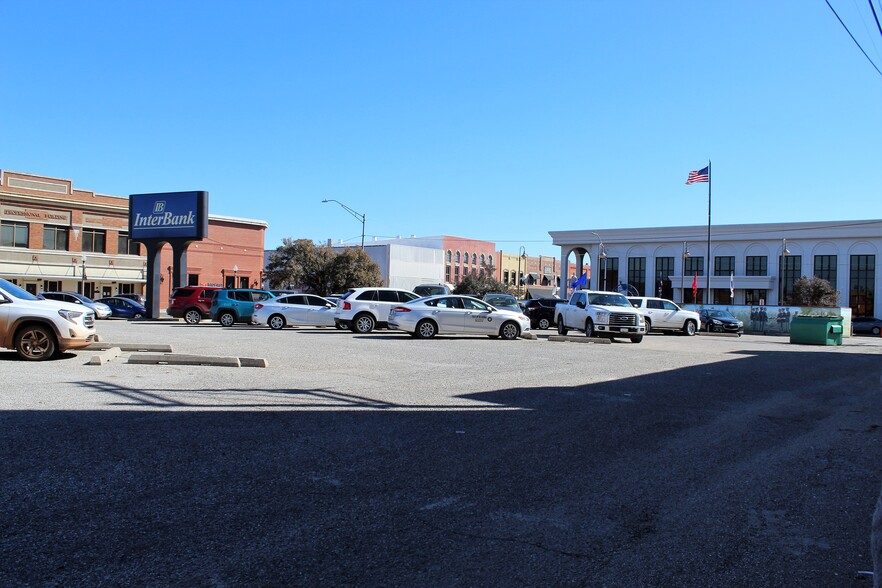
<point x="70" y="315"/>
<point x="602" y="317"/>
<point x="716" y="322"/>
<point x="640" y="319"/>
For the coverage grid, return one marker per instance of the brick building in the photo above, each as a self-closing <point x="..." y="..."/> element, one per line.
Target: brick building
<point x="54" y="236"/>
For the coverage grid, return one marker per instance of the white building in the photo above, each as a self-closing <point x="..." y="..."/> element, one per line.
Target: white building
<point x="761" y="261"/>
<point x="406" y="266"/>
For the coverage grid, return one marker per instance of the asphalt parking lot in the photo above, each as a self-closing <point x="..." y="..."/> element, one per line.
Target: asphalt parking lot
<point x="459" y="461"/>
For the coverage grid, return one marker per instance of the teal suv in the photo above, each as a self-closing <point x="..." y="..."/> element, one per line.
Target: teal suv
<point x="231" y="306"/>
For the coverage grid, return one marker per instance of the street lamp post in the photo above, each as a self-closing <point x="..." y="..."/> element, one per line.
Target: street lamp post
<point x="683" y="272"/>
<point x="602" y="256"/>
<point x="358" y="215"/>
<point x="784" y="253"/>
<point x="83" y="287"/>
<point x="522" y="254"/>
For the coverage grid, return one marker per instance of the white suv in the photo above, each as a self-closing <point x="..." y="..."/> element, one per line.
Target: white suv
<point x="661" y="315"/>
<point x="362" y="309"/>
<point x="38" y="328"/>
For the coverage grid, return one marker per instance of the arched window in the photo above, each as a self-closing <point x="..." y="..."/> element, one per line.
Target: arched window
<point x="483" y="259"/>
<point x="449" y="255"/>
<point x="457" y="258"/>
<point x="465" y="257"/>
<point x="474" y="259"/>
<point x="490" y="260"/>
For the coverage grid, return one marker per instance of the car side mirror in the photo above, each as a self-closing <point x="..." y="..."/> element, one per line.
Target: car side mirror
<point x="580" y="304"/>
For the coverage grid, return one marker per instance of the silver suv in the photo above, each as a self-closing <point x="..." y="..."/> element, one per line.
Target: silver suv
<point x="37" y="328"/>
<point x="363" y="309"/>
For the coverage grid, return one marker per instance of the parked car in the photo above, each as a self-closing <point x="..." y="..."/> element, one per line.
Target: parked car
<point x="101" y="311"/>
<point x="431" y="289"/>
<point x="866" y="325"/>
<point x="39" y="328"/>
<point x="124" y="308"/>
<point x="192" y="303"/>
<point x="541" y="311"/>
<point x="663" y="315"/>
<point x="236" y="305"/>
<point x="449" y="314"/>
<point x="503" y="302"/>
<point x="136" y="297"/>
<point x="363" y="309"/>
<point x="294" y="309"/>
<point x="607" y="314"/>
<point x="720" y="321"/>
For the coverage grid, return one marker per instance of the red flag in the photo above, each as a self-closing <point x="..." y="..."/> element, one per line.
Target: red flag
<point x="695" y="287"/>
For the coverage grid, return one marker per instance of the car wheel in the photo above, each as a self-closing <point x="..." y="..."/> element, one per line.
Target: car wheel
<point x="35" y="342"/>
<point x="876" y="331"/>
<point x="509" y="331"/>
<point x="589" y="328"/>
<point x="363" y="323"/>
<point x="137" y="316"/>
<point x="561" y="328"/>
<point x="426" y="329"/>
<point x="544" y="323"/>
<point x="276" y="322"/>
<point x="648" y="325"/>
<point x="637" y="339"/>
<point x="192" y="316"/>
<point x="689" y="328"/>
<point x="227" y="319"/>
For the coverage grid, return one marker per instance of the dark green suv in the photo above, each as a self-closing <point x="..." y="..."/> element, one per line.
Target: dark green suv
<point x="231" y="306"/>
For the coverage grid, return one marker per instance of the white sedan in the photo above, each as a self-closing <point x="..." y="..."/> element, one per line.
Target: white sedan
<point x="449" y="314"/>
<point x="294" y="309"/>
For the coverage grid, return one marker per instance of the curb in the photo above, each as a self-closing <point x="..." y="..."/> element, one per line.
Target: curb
<point x="568" y="339"/>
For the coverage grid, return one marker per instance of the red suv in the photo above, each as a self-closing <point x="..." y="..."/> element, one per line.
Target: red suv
<point x="192" y="303"/>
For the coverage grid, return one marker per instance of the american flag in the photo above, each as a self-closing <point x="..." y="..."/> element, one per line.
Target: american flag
<point x="697" y="176"/>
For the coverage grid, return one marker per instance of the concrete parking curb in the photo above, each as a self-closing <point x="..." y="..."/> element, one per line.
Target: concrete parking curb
<point x="206" y="360"/>
<point x="104" y="356"/>
<point x="568" y="339"/>
<point x="159" y="348"/>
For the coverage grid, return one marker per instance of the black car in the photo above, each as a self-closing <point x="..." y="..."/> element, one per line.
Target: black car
<point x="720" y="321"/>
<point x="541" y="312"/>
<point x="866" y="324"/>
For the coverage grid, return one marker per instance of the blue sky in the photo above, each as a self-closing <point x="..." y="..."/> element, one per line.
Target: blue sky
<point x="486" y="120"/>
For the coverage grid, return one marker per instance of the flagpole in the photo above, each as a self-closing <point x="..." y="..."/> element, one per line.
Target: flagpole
<point x="707" y="290"/>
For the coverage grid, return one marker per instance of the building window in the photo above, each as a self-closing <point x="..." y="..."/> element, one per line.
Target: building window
<point x="456" y="274"/>
<point x="490" y="260"/>
<point x="447" y="272"/>
<point x="55" y="238"/>
<point x="722" y="296"/>
<point x="465" y="270"/>
<point x="664" y="269"/>
<point x="790" y="266"/>
<point x="230" y="282"/>
<point x="755" y="297"/>
<point x="457" y="257"/>
<point x="695" y="266"/>
<point x="192" y="279"/>
<point x="505" y="277"/>
<point x="474" y="259"/>
<point x="825" y="268"/>
<point x="94" y="241"/>
<point x="243" y="281"/>
<point x="449" y="255"/>
<point x="126" y="288"/>
<point x="483" y="260"/>
<point x="756" y="265"/>
<point x="862" y="284"/>
<point x="609" y="273"/>
<point x="13" y="234"/>
<point x="637" y="274"/>
<point x="724" y="265"/>
<point x="126" y="246"/>
<point x="52" y="286"/>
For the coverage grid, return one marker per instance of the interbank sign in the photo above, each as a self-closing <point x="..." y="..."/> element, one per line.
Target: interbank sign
<point x="169" y="215"/>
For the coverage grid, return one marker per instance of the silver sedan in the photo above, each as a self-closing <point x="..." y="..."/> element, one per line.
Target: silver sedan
<point x="294" y="309"/>
<point x="449" y="314"/>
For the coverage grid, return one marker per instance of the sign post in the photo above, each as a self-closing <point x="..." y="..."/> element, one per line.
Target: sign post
<point x="176" y="218"/>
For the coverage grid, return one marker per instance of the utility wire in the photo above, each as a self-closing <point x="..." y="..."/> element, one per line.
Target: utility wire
<point x="852" y="36"/>
<point x="873" y="8"/>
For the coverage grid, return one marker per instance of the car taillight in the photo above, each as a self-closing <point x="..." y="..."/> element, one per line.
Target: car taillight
<point x="400" y="309"/>
<point x="347" y="306"/>
<point x="258" y="306"/>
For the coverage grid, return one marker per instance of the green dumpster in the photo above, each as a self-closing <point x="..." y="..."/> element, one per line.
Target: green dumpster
<point x="816" y="330"/>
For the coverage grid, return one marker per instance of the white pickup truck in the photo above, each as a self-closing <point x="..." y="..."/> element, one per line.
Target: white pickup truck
<point x="600" y="313"/>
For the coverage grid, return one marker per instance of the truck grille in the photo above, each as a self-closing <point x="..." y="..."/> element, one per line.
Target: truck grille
<point x="89" y="320"/>
<point x="621" y="319"/>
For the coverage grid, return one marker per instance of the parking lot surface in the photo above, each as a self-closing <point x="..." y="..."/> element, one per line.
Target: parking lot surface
<point x="459" y="461"/>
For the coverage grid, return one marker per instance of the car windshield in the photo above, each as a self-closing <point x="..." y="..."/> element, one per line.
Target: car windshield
<point x="15" y="291"/>
<point x="430" y="290"/>
<point x="720" y="314"/>
<point x="501" y="300"/>
<point x="608" y="300"/>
